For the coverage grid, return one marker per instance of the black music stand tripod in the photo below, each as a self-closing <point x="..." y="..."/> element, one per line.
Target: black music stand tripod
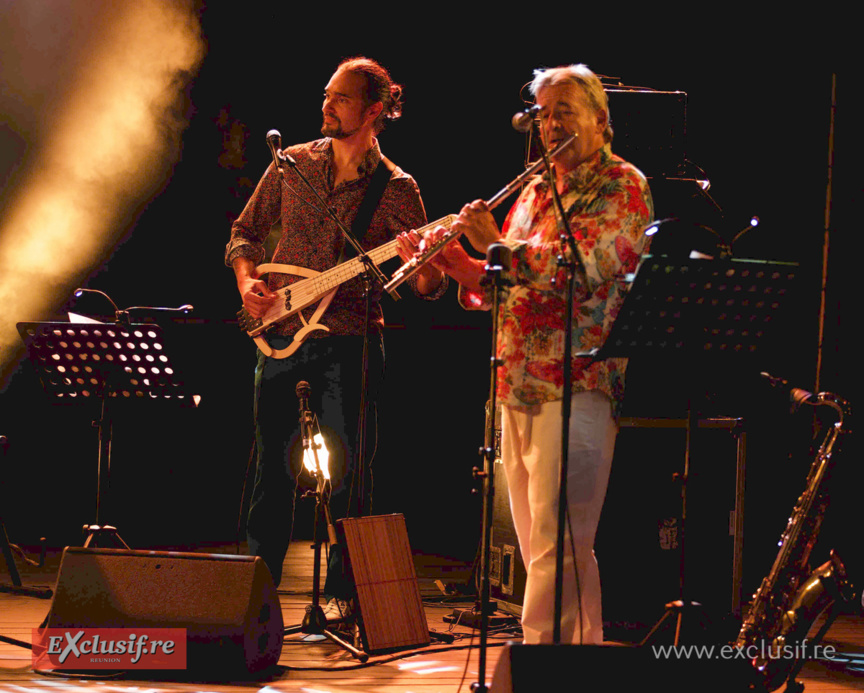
<point x="79" y="363"/>
<point x="314" y="621"/>
<point x="721" y="308"/>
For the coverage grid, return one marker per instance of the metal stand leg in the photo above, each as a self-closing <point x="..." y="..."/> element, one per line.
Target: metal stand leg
<point x="315" y="622"/>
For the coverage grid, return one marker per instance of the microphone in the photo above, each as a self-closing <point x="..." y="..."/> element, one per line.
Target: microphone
<point x="499" y="256"/>
<point x="303" y="391"/>
<point x="499" y="260"/>
<point x="522" y="121"/>
<point x="274" y="141"/>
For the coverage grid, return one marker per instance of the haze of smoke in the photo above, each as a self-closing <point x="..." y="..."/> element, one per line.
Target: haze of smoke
<point x="113" y="139"/>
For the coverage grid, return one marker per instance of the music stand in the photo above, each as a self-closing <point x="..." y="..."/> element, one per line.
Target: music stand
<point x="89" y="362"/>
<point x="700" y="305"/>
<point x="693" y="307"/>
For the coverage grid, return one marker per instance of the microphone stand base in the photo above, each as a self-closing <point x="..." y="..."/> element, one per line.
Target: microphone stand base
<point x="471" y="618"/>
<point x="316" y="623"/>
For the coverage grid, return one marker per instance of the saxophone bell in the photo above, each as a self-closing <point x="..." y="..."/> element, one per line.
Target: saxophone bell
<point x="825" y="586"/>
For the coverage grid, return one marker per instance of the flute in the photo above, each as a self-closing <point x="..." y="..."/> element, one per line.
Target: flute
<point x="416" y="263"/>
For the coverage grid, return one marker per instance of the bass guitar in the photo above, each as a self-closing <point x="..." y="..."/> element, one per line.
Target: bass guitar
<point x="317" y="287"/>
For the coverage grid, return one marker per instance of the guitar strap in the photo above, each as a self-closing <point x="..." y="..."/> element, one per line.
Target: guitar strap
<point x="374" y="193"/>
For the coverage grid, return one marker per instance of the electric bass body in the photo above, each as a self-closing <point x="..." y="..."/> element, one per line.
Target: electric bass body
<point x="315" y="287"/>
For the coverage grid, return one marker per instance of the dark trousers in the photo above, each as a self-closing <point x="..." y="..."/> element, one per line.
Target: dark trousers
<point x="333" y="368"/>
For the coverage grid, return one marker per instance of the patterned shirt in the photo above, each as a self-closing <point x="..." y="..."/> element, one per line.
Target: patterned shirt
<point x="608" y="204"/>
<point x="311" y="239"/>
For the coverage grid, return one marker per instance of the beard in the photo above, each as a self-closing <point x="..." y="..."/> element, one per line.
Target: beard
<point x="335" y="129"/>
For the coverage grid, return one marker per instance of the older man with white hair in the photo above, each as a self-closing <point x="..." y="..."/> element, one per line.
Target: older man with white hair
<point x="608" y="205"/>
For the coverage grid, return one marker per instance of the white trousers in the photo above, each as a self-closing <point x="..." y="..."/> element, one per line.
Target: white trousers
<point x="530" y="452"/>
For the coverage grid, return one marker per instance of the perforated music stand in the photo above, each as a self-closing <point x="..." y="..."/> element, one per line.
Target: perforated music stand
<point x="693" y="308"/>
<point x="700" y="306"/>
<point x="89" y="362"/>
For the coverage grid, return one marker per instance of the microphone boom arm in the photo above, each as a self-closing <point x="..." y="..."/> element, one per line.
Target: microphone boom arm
<point x="280" y="160"/>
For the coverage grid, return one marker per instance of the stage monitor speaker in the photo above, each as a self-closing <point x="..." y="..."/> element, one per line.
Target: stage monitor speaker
<point x="381" y="566"/>
<point x="529" y="668"/>
<point x="227" y="604"/>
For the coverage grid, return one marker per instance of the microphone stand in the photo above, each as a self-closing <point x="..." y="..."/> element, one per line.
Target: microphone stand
<point x="498" y="262"/>
<point x="572" y="266"/>
<point x="280" y="159"/>
<point x="372" y="276"/>
<point x="360" y="438"/>
<point x="314" y="621"/>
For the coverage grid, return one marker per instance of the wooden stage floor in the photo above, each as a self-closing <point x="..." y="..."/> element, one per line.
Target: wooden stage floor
<point x="320" y="667"/>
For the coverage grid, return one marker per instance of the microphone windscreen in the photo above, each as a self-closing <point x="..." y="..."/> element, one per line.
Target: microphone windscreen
<point x="499" y="255"/>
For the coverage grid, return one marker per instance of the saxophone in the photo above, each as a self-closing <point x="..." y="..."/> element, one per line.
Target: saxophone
<point x="792" y="596"/>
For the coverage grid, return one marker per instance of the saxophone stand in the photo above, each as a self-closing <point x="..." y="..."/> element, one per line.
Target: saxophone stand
<point x="314" y="621"/>
<point x="79" y="363"/>
<point x="690" y="306"/>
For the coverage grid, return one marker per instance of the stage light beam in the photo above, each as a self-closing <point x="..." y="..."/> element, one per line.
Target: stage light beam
<point x="108" y="145"/>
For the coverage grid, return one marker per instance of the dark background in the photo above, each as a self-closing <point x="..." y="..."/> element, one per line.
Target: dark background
<point x="757" y="125"/>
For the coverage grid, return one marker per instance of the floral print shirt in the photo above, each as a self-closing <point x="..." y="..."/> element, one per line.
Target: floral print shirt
<point x="608" y="204"/>
<point x="311" y="239"/>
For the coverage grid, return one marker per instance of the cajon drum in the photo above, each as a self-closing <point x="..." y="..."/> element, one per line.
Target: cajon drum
<point x="379" y="561"/>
